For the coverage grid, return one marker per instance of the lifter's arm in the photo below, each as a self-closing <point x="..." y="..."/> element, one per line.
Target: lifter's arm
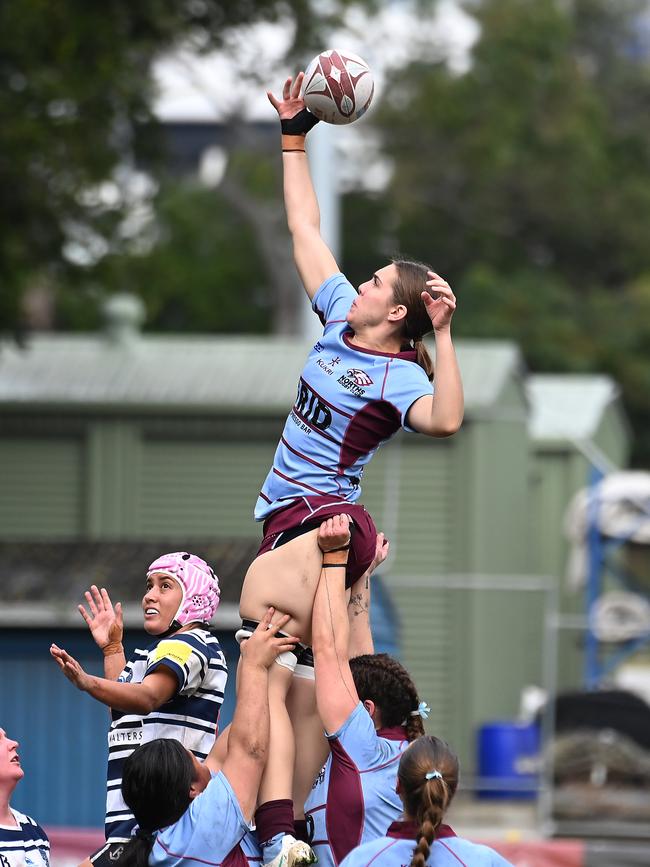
<point x="361" y="641"/>
<point x="336" y="694"/>
<point x="248" y="740"/>
<point x="313" y="258"/>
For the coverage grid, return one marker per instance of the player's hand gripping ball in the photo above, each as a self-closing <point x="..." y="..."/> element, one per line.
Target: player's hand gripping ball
<point x="338" y="86"/>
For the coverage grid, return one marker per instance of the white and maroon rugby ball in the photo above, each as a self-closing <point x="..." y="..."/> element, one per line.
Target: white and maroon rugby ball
<point x="338" y="86"/>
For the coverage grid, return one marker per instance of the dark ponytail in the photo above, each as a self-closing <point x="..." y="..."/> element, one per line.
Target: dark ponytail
<point x="428" y="777"/>
<point x="411" y="282"/>
<point x="387" y="683"/>
<point x="156" y="781"/>
<point x="137" y="851"/>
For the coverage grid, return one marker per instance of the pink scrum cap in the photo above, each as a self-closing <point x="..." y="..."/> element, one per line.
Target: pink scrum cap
<point x="198" y="582"/>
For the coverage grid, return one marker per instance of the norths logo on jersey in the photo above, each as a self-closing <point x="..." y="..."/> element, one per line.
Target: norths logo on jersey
<point x="355" y="380"/>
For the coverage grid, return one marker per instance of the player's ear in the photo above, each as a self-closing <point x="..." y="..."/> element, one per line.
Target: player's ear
<point x="397" y="312"/>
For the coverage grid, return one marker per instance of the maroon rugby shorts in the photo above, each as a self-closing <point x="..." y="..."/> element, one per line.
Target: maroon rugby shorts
<point x="307" y="513"/>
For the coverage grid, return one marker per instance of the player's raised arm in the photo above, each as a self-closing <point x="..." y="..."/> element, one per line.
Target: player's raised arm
<point x="106" y="627"/>
<point x="442" y="414"/>
<point x="248" y="740"/>
<point x="313" y="258"/>
<point x="336" y="693"/>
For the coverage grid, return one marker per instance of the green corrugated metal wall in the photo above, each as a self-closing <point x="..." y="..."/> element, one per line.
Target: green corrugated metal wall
<point x="42" y="487"/>
<point x="200" y="489"/>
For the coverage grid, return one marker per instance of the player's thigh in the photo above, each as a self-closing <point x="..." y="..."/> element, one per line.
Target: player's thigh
<point x="285" y="578"/>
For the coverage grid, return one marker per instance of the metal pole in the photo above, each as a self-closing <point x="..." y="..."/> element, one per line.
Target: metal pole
<point x="549" y="679"/>
<point x="594" y="579"/>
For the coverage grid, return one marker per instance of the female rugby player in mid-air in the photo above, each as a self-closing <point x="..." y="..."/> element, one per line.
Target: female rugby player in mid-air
<point x="368" y="376"/>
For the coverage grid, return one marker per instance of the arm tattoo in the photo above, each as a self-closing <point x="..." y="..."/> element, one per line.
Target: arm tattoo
<point x="359" y="604"/>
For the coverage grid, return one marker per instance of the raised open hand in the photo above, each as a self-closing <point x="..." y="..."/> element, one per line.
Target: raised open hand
<point x="70" y="667"/>
<point x="104" y="621"/>
<point x="440" y="301"/>
<point x="291" y="102"/>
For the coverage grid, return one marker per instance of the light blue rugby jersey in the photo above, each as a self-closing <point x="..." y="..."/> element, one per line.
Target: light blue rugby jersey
<point x="353" y="799"/>
<point x="349" y="401"/>
<point x="396" y="850"/>
<point x="24" y="844"/>
<point x="212" y="831"/>
<point x="190" y="717"/>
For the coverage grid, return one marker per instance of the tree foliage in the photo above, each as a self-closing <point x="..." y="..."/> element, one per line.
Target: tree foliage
<point x="526" y="180"/>
<point x="75" y="104"/>
<point x="202" y="274"/>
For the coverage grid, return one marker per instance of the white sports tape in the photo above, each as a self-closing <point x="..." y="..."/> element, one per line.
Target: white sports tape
<point x="306" y="671"/>
<point x="287" y="660"/>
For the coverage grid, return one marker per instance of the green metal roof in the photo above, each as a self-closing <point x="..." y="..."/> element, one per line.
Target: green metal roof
<point x="205" y="373"/>
<point x="569" y="406"/>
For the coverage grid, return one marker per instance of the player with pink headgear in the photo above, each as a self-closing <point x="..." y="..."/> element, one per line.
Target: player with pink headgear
<point x="173" y="688"/>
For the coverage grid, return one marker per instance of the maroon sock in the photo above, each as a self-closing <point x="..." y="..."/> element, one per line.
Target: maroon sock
<point x="274" y="817"/>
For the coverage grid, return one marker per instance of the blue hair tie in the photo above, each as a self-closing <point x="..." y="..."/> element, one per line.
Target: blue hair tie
<point x="423" y="710"/>
<point x="433" y="775"/>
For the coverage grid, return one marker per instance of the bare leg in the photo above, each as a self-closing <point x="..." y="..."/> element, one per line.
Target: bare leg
<point x="285" y="578"/>
<point x="277" y="778"/>
<point x="312" y="748"/>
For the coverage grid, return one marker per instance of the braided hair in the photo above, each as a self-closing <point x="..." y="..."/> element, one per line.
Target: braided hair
<point x="384" y="681"/>
<point x="426" y="799"/>
<point x="156" y="782"/>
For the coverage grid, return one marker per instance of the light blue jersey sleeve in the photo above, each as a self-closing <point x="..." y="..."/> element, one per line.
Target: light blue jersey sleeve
<point x="333" y="299"/>
<point x="207" y="831"/>
<point x="405" y="383"/>
<point x="360" y="741"/>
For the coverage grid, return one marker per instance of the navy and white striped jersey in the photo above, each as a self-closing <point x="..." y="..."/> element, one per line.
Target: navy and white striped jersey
<point x="350" y="400"/>
<point x="190" y="717"/>
<point x="24" y="844"/>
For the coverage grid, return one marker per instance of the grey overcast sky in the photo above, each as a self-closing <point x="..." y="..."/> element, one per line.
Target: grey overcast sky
<point x="210" y="88"/>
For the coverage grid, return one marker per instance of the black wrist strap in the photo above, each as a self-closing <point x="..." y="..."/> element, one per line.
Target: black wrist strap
<point x="299" y="124"/>
<point x="335" y="565"/>
<point x="331" y="550"/>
